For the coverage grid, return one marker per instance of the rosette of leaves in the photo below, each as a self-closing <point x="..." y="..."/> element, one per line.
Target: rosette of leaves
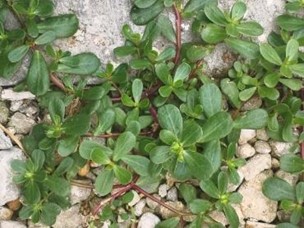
<point x="290" y="198"/>
<point x="38" y="28"/>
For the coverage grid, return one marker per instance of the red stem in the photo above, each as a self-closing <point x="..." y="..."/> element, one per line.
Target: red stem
<point x="57" y="82"/>
<point x="302" y="143"/>
<point x="178" y="27"/>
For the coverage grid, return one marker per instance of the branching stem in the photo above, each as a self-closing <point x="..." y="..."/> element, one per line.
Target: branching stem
<point x="178" y="28"/>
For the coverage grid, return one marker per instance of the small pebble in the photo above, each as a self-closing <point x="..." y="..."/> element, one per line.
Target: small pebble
<point x="151" y="203"/>
<point x="292" y="179"/>
<point x="4" y="112"/>
<point x="14" y="205"/>
<point x="262" y="147"/>
<point x="21" y="123"/>
<point x="172" y="194"/>
<point x="5" y="213"/>
<point x="135" y="199"/>
<point x="261" y="134"/>
<point x="165" y="213"/>
<point x="138" y="209"/>
<point x="162" y="190"/>
<point x="148" y="220"/>
<point x="245" y="151"/>
<point x="246" y="135"/>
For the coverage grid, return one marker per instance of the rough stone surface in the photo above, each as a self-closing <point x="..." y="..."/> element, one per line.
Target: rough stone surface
<point x="135" y="199"/>
<point x="245" y="151"/>
<point x="252" y="224"/>
<point x="30" y="224"/>
<point x="70" y="218"/>
<point x="262" y="147"/>
<point x="255" y="165"/>
<point x="139" y="207"/>
<point x="10" y="95"/>
<point x="280" y="148"/>
<point x="8" y="190"/>
<point x="289" y="177"/>
<point x="219" y="217"/>
<point x="21" y="123"/>
<point x="165" y="213"/>
<point x="5" y="213"/>
<point x="4" y="112"/>
<point x="79" y="194"/>
<point x="255" y="205"/>
<point x="261" y="134"/>
<point x="162" y="190"/>
<point x="148" y="220"/>
<point x="246" y="135"/>
<point x="172" y="194"/>
<point x="152" y="204"/>
<point x="5" y="142"/>
<point x="252" y="103"/>
<point x="11" y="224"/>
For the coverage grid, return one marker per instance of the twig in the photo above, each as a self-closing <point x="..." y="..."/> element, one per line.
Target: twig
<point x="197" y="66"/>
<point x="56" y="81"/>
<point x="178" y="28"/>
<point x="14" y="138"/>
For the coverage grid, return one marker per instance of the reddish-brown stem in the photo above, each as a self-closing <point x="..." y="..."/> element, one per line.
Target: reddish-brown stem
<point x="302" y="143"/>
<point x="56" y="81"/>
<point x="197" y="66"/>
<point x="178" y="28"/>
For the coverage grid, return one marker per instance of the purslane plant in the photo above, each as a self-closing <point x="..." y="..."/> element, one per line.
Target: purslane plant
<point x="157" y="113"/>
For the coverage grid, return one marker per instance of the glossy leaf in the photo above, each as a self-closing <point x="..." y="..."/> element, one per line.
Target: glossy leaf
<point x="191" y="133"/>
<point x="210" y="99"/>
<point x="124" y="144"/>
<point x="56" y="109"/>
<point x="198" y="206"/>
<point x="250" y="28"/>
<point x="45" y="38"/>
<point x="99" y="155"/>
<point x="106" y="120"/>
<point x="213" y="34"/>
<point x="137" y="88"/>
<point x="160" y="154"/>
<point x="58" y="185"/>
<point x="290" y="23"/>
<point x="291" y="163"/>
<point x="270" y="54"/>
<point x="68" y="145"/>
<point x="18" y="53"/>
<point x="253" y="119"/>
<point x="198" y="165"/>
<point x="292" y="49"/>
<point x="166" y="27"/>
<point x="277" y="189"/>
<point x="123" y="175"/>
<point x="77" y="125"/>
<point x="170" y="118"/>
<point x="247" y="49"/>
<point x="238" y="10"/>
<point x="104" y="182"/>
<point x="215" y="15"/>
<point x="230" y="89"/>
<point x="141" y="16"/>
<point x="231" y="215"/>
<point x="138" y="163"/>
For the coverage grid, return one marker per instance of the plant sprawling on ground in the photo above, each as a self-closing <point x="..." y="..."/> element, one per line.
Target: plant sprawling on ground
<point x="158" y="112"/>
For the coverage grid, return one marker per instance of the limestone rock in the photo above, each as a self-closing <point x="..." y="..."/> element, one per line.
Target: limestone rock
<point x="5" y="213"/>
<point x="148" y="220"/>
<point x="10" y="95"/>
<point x="262" y="147"/>
<point x="251" y="224"/>
<point x="5" y="142"/>
<point x="246" y="135"/>
<point x="70" y="218"/>
<point x="292" y="179"/>
<point x="21" y="123"/>
<point x="11" y="224"/>
<point x="245" y="151"/>
<point x="253" y="103"/>
<point x="79" y="194"/>
<point x="162" y="190"/>
<point x="261" y="134"/>
<point x="255" y="165"/>
<point x="139" y="207"/>
<point x="172" y="194"/>
<point x="219" y="217"/>
<point x="152" y="204"/>
<point x="4" y="112"/>
<point x="165" y="213"/>
<point x="255" y="205"/>
<point x="280" y="148"/>
<point x="8" y="190"/>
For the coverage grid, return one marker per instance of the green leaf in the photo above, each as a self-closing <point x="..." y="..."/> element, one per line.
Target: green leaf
<point x="293" y="84"/>
<point x="58" y="185"/>
<point x="292" y="50"/>
<point x="163" y="72"/>
<point x="86" y="148"/>
<point x="143" y="16"/>
<point x="63" y="25"/>
<point x="167" y="54"/>
<point x="139" y="64"/>
<point x="123" y="175"/>
<point x="56" y="109"/>
<point x="167" y="136"/>
<point x="64" y="166"/>
<point x="196" y="53"/>
<point x="247" y="93"/>
<point x="213" y="34"/>
<point x="104" y="182"/>
<point x="31" y="193"/>
<point x="270" y="54"/>
<point x="105" y="121"/>
<point x="38" y="76"/>
<point x="124" y="144"/>
<point x="77" y="125"/>
<point x="231" y="215"/>
<point x="297" y="69"/>
<point x="247" y="49"/>
<point x="171" y="222"/>
<point x="217" y="127"/>
<point x="291" y="163"/>
<point x="210" y="99"/>
<point x="270" y="93"/>
<point x="124" y="51"/>
<point x="160" y="154"/>
<point x="277" y="189"/>
<point x="198" y="206"/>
<point x="68" y="145"/>
<point x="210" y="189"/>
<point x="99" y="155"/>
<point x="82" y="64"/>
<point x="182" y="72"/>
<point x="18" y="53"/>
<point x="215" y="15"/>
<point x="144" y="3"/>
<point x="300" y="192"/>
<point x="230" y="89"/>
<point x="193" y="6"/>
<point x="199" y="166"/>
<point x="250" y="28"/>
<point x="271" y="80"/>
<point x="238" y="10"/>
<point x="170" y="118"/>
<point x="38" y="158"/>
<point x="253" y="119"/>
<point x="137" y="88"/>
<point x="166" y="27"/>
<point x="138" y="163"/>
<point x="45" y="38"/>
<point x="213" y="153"/>
<point x="188" y="192"/>
<point x="290" y="23"/>
<point x="49" y="213"/>
<point x="165" y="91"/>
<point x="191" y="133"/>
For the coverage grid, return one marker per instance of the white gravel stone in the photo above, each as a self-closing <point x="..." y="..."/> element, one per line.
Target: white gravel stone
<point x="139" y="207"/>
<point x="5" y="142"/>
<point x="30" y="224"/>
<point x="11" y="224"/>
<point x="152" y="204"/>
<point x="289" y="177"/>
<point x="262" y="147"/>
<point x="246" y="135"/>
<point x="162" y="190"/>
<point x="70" y="218"/>
<point x="79" y="194"/>
<point x="148" y="220"/>
<point x="9" y="94"/>
<point x="5" y="213"/>
<point x="280" y="148"/>
<point x="172" y="194"/>
<point x="255" y="165"/>
<point x="219" y="217"/>
<point x="4" y="112"/>
<point x="252" y="224"/>
<point x="261" y="134"/>
<point x="165" y="213"/>
<point x="8" y="189"/>
<point x="245" y="151"/>
<point x="255" y="205"/>
<point x="21" y="123"/>
<point x="135" y="199"/>
<point x="16" y="105"/>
